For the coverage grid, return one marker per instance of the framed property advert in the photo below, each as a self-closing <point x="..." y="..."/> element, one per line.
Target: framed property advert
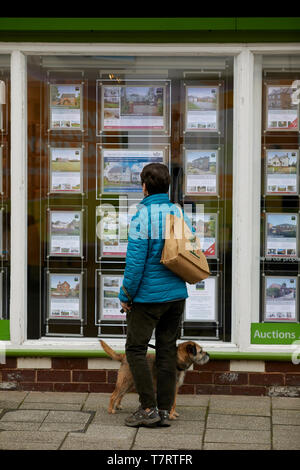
<point x="201" y="172"/>
<point x="135" y="106"/>
<point x="280" y="299"/>
<point x="65" y="107"/>
<point x="201" y="108"/>
<point x="65" y="232"/>
<point x="206" y="226"/>
<point x="281" y="112"/>
<point x="201" y="304"/>
<point x="108" y="286"/>
<point x="64" y="296"/>
<point x="65" y="172"/>
<point x="120" y="169"/>
<point x="281" y="235"/>
<point x="282" y="172"/>
<point x="112" y="230"/>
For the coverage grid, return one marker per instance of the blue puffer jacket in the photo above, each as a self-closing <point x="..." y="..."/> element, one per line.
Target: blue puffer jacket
<point x="145" y="278"/>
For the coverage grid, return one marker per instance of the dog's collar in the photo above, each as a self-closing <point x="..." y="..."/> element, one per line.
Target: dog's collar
<point x="181" y="368"/>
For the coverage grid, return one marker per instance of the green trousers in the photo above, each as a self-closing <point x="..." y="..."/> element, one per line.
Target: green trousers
<point x="165" y="317"/>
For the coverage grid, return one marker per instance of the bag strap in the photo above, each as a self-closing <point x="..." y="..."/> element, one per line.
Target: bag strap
<point x="127" y="295"/>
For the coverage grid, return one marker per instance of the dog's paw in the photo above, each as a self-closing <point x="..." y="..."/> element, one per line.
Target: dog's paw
<point x="175" y="413"/>
<point x="119" y="407"/>
<point x="172" y="416"/>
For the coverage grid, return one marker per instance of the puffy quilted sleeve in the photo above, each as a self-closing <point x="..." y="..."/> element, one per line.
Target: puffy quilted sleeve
<point x="137" y="250"/>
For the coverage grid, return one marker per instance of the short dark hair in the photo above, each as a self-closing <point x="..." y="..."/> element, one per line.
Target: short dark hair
<point x="156" y="177"/>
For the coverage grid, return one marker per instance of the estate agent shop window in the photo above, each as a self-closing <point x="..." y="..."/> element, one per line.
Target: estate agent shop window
<point x="93" y="123"/>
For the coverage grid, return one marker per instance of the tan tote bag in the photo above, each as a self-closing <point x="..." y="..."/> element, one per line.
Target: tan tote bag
<point x="182" y="253"/>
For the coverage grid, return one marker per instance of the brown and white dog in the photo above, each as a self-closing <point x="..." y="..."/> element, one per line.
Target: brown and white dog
<point x="188" y="353"/>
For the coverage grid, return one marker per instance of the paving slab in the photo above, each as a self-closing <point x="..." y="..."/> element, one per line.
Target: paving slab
<point x="51" y="406"/>
<point x="151" y="439"/>
<point x="101" y="400"/>
<point x="225" y="421"/>
<point x="19" y="426"/>
<point x="99" y="437"/>
<point x="231" y="446"/>
<point x="56" y="397"/>
<point x="117" y="419"/>
<point x="191" y="413"/>
<point x="67" y="427"/>
<point x="79" y="417"/>
<point x="238" y="436"/>
<point x="240" y="405"/>
<point x="192" y="400"/>
<point x="285" y="403"/>
<point x="286" y="437"/>
<point x="11" y="399"/>
<point x="36" y="416"/>
<point x="289" y="417"/>
<point x="23" y="440"/>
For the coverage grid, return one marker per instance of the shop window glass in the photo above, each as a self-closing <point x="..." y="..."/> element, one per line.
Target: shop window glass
<point x="94" y="122"/>
<point x="280" y="192"/>
<point x="4" y="185"/>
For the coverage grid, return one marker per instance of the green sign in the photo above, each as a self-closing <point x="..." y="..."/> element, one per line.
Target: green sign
<point x="275" y="333"/>
<point x="4" y="330"/>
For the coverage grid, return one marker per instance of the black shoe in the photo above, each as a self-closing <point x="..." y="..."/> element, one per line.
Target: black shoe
<point x="164" y="418"/>
<point x="143" y="418"/>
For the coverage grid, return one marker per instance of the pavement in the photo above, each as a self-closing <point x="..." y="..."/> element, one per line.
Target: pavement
<point x="80" y="421"/>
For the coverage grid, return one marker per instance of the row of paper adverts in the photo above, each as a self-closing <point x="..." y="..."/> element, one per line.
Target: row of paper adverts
<point x="120" y="170"/>
<point x="140" y="107"/>
<point x="66" y="235"/>
<point x="65" y="298"/>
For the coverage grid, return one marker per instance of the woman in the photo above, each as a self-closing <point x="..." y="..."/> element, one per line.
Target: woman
<point x="153" y="297"/>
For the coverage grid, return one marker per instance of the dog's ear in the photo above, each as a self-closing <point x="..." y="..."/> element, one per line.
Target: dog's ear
<point x="191" y="349"/>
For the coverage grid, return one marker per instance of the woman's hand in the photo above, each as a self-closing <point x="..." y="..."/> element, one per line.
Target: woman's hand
<point x="125" y="306"/>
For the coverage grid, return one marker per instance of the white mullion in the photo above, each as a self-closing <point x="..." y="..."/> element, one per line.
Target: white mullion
<point x="243" y="201"/>
<point x="18" y="247"/>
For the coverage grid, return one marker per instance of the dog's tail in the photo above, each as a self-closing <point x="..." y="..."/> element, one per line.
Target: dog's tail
<point x="111" y="352"/>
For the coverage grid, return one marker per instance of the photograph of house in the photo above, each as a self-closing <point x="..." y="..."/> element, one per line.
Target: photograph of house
<point x="65" y="223"/>
<point x="67" y="96"/>
<point x="64" y="286"/>
<point x="201" y="98"/>
<point x="281" y="162"/>
<point x="280" y="97"/>
<point x="281" y="289"/>
<point x="201" y="162"/>
<point x="140" y="100"/>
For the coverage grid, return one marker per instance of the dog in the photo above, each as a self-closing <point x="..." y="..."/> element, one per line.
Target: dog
<point x="188" y="353"/>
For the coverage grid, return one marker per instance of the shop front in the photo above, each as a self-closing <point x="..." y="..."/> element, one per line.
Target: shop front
<point x="79" y="119"/>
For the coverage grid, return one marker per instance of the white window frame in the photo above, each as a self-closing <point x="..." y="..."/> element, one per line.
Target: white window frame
<point x="246" y="183"/>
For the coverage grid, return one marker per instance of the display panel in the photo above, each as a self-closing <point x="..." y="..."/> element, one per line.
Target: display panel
<point x="206" y="226"/>
<point x="134" y="106"/>
<point x="281" y="299"/>
<point x="119" y="169"/>
<point x="108" y="302"/>
<point x="282" y="171"/>
<point x="65" y="107"/>
<point x="66" y="172"/>
<point x="282" y="113"/>
<point x="64" y="296"/>
<point x="65" y="232"/>
<point x="201" y="305"/>
<point x="201" y="172"/>
<point x="282" y="235"/>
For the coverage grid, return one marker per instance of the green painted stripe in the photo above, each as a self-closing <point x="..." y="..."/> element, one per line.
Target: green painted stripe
<point x="214" y="355"/>
<point x="151" y="24"/>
